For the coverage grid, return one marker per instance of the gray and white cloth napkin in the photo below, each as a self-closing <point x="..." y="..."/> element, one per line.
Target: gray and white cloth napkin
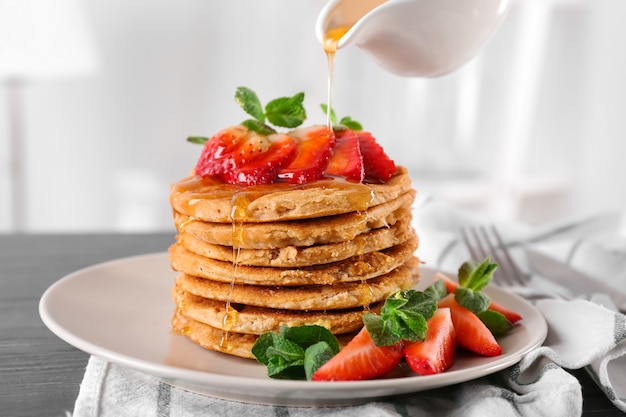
<point x="584" y="331"/>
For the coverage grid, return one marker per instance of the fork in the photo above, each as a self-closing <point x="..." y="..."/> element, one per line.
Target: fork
<point x="483" y="241"/>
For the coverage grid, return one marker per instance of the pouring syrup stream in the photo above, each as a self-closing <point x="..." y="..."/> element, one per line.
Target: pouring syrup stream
<point x="331" y="40"/>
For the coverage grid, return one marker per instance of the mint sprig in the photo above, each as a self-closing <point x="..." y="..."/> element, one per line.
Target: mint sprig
<point x="295" y="352"/>
<point x="473" y="278"/>
<point x="402" y="317"/>
<point x="286" y="112"/>
<point x="476" y="276"/>
<point x="345" y="123"/>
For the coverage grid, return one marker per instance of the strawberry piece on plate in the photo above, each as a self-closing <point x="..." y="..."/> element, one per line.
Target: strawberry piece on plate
<point x="242" y="156"/>
<point x="360" y="359"/>
<point x="451" y="285"/>
<point x="435" y="353"/>
<point x="471" y="332"/>
<point x="378" y="166"/>
<point x="314" y="147"/>
<point x="346" y="160"/>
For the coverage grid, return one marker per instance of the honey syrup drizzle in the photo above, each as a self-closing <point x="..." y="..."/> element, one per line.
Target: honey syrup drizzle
<point x="331" y="40"/>
<point x="240" y="202"/>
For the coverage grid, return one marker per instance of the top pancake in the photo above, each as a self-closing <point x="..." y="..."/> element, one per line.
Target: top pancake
<point x="306" y="232"/>
<point x="212" y="200"/>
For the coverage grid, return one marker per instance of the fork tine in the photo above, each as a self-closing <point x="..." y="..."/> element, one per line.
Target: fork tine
<point x="472" y="248"/>
<point x="488" y="242"/>
<point x="503" y="273"/>
<point x="517" y="276"/>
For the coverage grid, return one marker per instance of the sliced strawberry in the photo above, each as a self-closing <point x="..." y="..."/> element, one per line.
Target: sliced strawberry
<point x="360" y="359"/>
<point x="451" y="285"/>
<point x="218" y="154"/>
<point x="346" y="160"/>
<point x="264" y="168"/>
<point x="314" y="147"/>
<point x="510" y="315"/>
<point x="241" y="156"/>
<point x="378" y="166"/>
<point x="436" y="353"/>
<point x="471" y="333"/>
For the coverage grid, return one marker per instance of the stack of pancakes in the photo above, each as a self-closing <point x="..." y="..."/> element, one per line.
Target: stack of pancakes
<point x="254" y="258"/>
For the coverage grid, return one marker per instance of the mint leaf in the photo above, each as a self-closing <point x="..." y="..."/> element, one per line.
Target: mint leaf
<point x="333" y="115"/>
<point x="345" y="123"/>
<point x="409" y="325"/>
<point x="350" y="124"/>
<point x="437" y="290"/>
<point x="262" y="344"/>
<point x="258" y="127"/>
<point x="308" y="335"/>
<point x="380" y="330"/>
<point x="250" y="103"/>
<point x="419" y="302"/>
<point x="495" y="322"/>
<point x="199" y="140"/>
<point x="281" y="368"/>
<point x="286" y="111"/>
<point x="286" y="349"/>
<point x="474" y="301"/>
<point x="476" y="276"/>
<point x="315" y="356"/>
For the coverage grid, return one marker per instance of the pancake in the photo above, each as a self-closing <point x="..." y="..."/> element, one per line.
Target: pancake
<point x="313" y="297"/>
<point x="258" y="320"/>
<point x="308" y="232"/>
<point x="212" y="338"/>
<point x="209" y="337"/>
<point x="357" y="268"/>
<point x="292" y="256"/>
<point x="212" y="200"/>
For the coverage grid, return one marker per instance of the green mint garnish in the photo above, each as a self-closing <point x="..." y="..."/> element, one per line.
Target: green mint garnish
<point x="345" y="123"/>
<point x="317" y="355"/>
<point x="476" y="276"/>
<point x="199" y="140"/>
<point x="437" y="290"/>
<point x="475" y="301"/>
<point x="284" y="111"/>
<point x="473" y="278"/>
<point x="402" y="317"/>
<point x="250" y="103"/>
<point x="296" y="352"/>
<point x="258" y="127"/>
<point x="495" y="322"/>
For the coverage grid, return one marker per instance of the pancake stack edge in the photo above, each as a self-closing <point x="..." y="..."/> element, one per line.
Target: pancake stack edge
<point x="321" y="254"/>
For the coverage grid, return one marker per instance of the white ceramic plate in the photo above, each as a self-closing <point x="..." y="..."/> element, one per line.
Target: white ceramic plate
<point x="120" y="311"/>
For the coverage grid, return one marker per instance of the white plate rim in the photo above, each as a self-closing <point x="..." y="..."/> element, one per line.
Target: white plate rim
<point x="271" y="391"/>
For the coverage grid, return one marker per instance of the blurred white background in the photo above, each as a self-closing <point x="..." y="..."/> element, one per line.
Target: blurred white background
<point x="531" y="130"/>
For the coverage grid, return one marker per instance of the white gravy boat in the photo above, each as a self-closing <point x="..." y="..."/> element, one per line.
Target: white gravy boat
<point x="415" y="38"/>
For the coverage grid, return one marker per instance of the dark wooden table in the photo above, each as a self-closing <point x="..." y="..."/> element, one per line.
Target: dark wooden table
<point x="40" y="374"/>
